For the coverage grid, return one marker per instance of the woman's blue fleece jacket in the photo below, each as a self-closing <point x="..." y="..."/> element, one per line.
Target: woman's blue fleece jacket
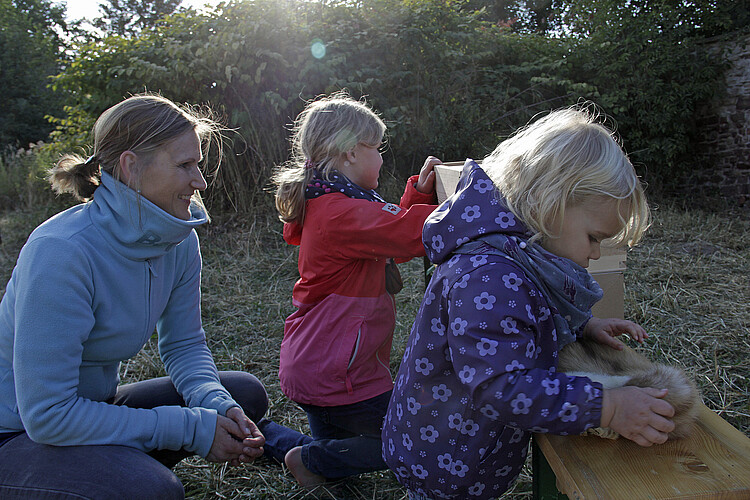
<point x="90" y="286"/>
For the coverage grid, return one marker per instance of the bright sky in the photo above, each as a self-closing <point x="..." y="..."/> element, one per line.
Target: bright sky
<point x="78" y="9"/>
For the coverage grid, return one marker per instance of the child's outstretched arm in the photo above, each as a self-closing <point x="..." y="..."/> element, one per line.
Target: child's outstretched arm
<point x="639" y="414"/>
<point x="426" y="181"/>
<point x="605" y="331"/>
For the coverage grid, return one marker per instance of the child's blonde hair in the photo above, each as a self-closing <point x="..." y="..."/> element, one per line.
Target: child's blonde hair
<point x="564" y="159"/>
<point x="327" y="128"/>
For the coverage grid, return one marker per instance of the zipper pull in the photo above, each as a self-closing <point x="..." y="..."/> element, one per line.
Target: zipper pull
<point x="151" y="268"/>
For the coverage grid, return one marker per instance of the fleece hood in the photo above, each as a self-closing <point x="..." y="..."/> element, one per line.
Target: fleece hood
<point x="475" y="210"/>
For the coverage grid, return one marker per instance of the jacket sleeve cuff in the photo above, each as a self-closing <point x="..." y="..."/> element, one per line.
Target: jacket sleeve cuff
<point x="413" y="197"/>
<point x="191" y="429"/>
<point x="219" y="400"/>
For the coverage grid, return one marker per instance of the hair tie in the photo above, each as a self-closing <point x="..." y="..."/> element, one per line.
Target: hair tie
<point x="90" y="160"/>
<point x="309" y="163"/>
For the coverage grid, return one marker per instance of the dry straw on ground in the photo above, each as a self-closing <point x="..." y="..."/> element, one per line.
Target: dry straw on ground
<point x="688" y="284"/>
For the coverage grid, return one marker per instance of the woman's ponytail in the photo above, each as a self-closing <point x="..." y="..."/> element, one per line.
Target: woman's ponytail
<point x="76" y="175"/>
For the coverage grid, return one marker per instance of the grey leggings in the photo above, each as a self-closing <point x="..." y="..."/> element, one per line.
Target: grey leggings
<point x="29" y="470"/>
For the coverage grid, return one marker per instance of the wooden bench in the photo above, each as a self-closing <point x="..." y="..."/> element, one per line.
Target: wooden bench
<point x="714" y="462"/>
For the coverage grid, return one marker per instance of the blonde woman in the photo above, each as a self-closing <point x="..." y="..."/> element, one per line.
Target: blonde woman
<point x="90" y="287"/>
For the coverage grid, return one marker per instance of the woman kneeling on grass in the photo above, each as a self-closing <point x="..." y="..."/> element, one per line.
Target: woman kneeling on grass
<point x="90" y="286"/>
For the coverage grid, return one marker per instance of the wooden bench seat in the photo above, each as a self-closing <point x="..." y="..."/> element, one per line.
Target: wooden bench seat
<point x="713" y="463"/>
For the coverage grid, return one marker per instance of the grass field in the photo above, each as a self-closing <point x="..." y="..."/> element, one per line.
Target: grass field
<point x="688" y="284"/>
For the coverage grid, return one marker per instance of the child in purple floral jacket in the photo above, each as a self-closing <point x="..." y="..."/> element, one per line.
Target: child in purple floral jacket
<point x="510" y="290"/>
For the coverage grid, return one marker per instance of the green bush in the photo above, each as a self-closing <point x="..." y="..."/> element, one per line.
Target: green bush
<point x="23" y="183"/>
<point x="31" y="49"/>
<point x="644" y="64"/>
<point x="448" y="81"/>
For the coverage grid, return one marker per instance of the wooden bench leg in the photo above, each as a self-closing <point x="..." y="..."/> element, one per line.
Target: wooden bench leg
<point x="543" y="482"/>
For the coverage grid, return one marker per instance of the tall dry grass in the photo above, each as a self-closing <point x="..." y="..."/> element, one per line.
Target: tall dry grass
<point x="688" y="284"/>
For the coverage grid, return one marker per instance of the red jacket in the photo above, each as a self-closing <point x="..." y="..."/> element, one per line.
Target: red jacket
<point x="337" y="345"/>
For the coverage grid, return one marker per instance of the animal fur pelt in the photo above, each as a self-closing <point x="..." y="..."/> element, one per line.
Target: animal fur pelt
<point x="613" y="368"/>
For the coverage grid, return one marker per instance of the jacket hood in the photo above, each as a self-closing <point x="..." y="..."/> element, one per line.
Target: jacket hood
<point x="476" y="201"/>
<point x="136" y="228"/>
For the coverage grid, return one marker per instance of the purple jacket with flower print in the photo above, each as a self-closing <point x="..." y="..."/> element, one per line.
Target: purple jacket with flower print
<point x="478" y="373"/>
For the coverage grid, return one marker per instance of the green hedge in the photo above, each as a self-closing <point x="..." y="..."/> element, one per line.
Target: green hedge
<point x="447" y="81"/>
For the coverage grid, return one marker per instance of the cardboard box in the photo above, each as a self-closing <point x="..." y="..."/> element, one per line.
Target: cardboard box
<point x="446" y="178"/>
<point x="608" y="270"/>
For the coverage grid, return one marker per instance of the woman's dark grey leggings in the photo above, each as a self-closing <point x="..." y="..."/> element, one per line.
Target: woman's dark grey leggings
<point x="29" y="470"/>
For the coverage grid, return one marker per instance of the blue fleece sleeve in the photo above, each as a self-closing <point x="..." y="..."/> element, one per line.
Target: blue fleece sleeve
<point x="503" y="346"/>
<point x="182" y="341"/>
<point x="53" y="319"/>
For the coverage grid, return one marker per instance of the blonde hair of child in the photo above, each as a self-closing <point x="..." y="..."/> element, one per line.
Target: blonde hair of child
<point x="327" y="128"/>
<point x="562" y="160"/>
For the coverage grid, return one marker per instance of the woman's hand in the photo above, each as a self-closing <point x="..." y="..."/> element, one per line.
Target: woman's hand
<point x="638" y="413"/>
<point x="604" y="331"/>
<point x="237" y="439"/>
<point x="426" y="181"/>
<point x="253" y="440"/>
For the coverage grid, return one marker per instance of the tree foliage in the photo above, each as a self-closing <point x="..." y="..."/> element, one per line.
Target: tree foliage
<point x="30" y="52"/>
<point x="130" y="17"/>
<point x="447" y="76"/>
<point x="446" y="82"/>
<point x="644" y="63"/>
<point x="526" y="16"/>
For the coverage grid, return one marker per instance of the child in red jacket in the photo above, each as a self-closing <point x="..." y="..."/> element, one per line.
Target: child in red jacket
<point x="336" y="348"/>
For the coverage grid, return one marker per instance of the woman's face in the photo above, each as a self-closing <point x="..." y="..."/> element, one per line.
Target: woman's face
<point x="171" y="176"/>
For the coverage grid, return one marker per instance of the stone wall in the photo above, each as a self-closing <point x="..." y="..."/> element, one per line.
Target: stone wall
<point x="725" y="128"/>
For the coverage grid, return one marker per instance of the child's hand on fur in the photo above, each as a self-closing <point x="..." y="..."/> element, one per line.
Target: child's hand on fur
<point x="426" y="182"/>
<point x="605" y="331"/>
<point x="638" y="413"/>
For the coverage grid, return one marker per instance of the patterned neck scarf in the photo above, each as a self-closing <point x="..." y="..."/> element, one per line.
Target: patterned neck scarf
<point x="337" y="182"/>
<point x="568" y="287"/>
